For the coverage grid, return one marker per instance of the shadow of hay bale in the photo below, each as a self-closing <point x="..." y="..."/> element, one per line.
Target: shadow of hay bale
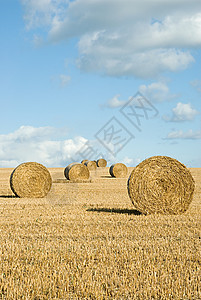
<point x="8" y="196"/>
<point x="116" y="211"/>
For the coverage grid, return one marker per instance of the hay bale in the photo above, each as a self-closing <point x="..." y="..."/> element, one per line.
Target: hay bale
<point x="83" y="161"/>
<point x="118" y="170"/>
<point x="91" y="165"/>
<point x="30" y="180"/>
<point x="161" y="184"/>
<point x="76" y="171"/>
<point x="101" y="163"/>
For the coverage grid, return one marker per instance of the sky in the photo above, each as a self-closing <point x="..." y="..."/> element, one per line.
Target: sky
<point x="118" y="79"/>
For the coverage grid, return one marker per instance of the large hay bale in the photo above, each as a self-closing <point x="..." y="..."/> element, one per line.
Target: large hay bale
<point x="161" y="184"/>
<point x="118" y="170"/>
<point x="101" y="163"/>
<point x="91" y="165"/>
<point x="30" y="180"/>
<point x="76" y="171"/>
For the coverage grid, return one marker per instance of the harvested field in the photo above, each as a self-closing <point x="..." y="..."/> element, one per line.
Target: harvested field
<point x="87" y="241"/>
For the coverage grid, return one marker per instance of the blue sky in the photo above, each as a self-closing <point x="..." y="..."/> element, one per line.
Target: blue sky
<point x="68" y="68"/>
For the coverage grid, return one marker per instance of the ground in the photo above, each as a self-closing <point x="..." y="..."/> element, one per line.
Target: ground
<point x="87" y="241"/>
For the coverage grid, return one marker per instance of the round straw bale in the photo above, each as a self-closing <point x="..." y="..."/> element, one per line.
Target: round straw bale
<point x="101" y="162"/>
<point x="83" y="161"/>
<point x="30" y="180"/>
<point x="91" y="165"/>
<point x="118" y="170"/>
<point x="76" y="171"/>
<point x="161" y="184"/>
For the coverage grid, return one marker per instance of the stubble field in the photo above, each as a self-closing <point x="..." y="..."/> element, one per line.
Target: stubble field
<point x="87" y="241"/>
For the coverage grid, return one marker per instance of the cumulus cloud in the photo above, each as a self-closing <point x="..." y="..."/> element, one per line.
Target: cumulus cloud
<point x="128" y="62"/>
<point x="139" y="38"/>
<point x="86" y="16"/>
<point x="157" y="91"/>
<point x="189" y="135"/>
<point x="181" y="113"/>
<point x="114" y="102"/>
<point x="38" y="144"/>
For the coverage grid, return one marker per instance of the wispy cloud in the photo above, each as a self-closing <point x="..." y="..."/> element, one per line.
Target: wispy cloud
<point x="64" y="80"/>
<point x="196" y="84"/>
<point x="39" y="13"/>
<point x="131" y="162"/>
<point x="180" y="134"/>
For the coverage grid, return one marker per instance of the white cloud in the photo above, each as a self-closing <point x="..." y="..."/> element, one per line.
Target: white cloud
<point x="38" y="144"/>
<point x="130" y="162"/>
<point x="115" y="102"/>
<point x="42" y="12"/>
<point x="123" y="37"/>
<point x="128" y="62"/>
<point x="189" y="135"/>
<point x="86" y="16"/>
<point x="196" y="84"/>
<point x="64" y="80"/>
<point x="154" y="92"/>
<point x="182" y="112"/>
<point x="27" y="133"/>
<point x="37" y="41"/>
<point x="157" y="92"/>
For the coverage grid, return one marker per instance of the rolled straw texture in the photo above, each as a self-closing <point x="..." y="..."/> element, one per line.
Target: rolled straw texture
<point x="118" y="170"/>
<point x="76" y="171"/>
<point x="161" y="184"/>
<point x="91" y="165"/>
<point x="30" y="180"/>
<point x="101" y="162"/>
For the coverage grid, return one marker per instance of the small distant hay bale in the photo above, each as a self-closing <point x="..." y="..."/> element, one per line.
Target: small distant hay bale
<point x="76" y="171"/>
<point x="161" y="184"/>
<point x="118" y="170"/>
<point x="101" y="163"/>
<point x="91" y="165"/>
<point x="83" y="161"/>
<point x="30" y="180"/>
